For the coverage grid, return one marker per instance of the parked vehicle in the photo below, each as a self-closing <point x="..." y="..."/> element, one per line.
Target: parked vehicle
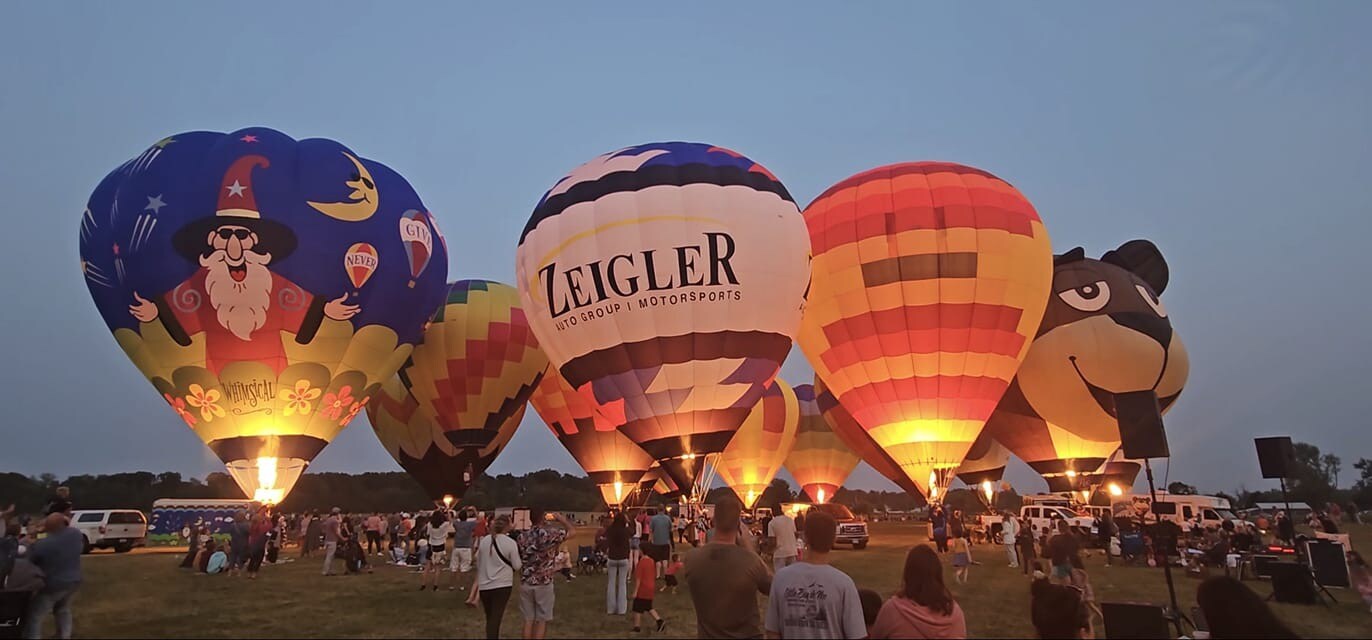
<point x="119" y="529"/>
<point x="851" y="530"/>
<point x="172" y="519"/>
<point x="1041" y="517"/>
<point x="1185" y="510"/>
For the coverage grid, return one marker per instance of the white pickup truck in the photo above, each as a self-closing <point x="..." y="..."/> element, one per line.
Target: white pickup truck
<point x="120" y="529"/>
<point x="1040" y="518"/>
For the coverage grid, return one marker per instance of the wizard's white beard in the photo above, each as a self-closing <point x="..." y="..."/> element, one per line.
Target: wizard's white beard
<point x="240" y="305"/>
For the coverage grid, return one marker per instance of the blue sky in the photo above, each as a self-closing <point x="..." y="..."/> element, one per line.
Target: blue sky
<point x="1236" y="136"/>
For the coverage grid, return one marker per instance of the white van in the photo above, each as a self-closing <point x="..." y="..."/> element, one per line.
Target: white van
<point x="120" y="529"/>
<point x="1185" y="510"/>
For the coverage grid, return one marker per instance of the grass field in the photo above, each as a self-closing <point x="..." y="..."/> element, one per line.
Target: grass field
<point x="145" y="595"/>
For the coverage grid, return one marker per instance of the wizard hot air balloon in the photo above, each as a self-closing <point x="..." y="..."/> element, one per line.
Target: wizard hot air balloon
<point x="478" y="364"/>
<point x="610" y="458"/>
<point x="1106" y="334"/>
<point x="929" y="280"/>
<point x="819" y="461"/>
<point x="859" y="441"/>
<point x="666" y="282"/>
<point x="218" y="263"/>
<point x="762" y="443"/>
<point x="443" y="470"/>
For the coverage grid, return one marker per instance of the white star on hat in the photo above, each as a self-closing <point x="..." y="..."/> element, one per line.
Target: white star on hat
<point x="236" y="189"/>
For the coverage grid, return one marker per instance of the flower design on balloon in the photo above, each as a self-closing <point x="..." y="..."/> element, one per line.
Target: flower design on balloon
<point x="298" y="398"/>
<point x="207" y="400"/>
<point x="352" y="412"/>
<point x="180" y="406"/>
<point x="335" y="403"/>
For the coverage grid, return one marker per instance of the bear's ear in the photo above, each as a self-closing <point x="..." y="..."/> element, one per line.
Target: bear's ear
<point x="1073" y="255"/>
<point x="1143" y="258"/>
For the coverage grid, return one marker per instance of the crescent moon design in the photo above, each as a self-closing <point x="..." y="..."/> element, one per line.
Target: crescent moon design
<point x="361" y="203"/>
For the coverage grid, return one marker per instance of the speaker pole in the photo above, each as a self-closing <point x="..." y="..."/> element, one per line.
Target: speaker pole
<point x="1174" y="613"/>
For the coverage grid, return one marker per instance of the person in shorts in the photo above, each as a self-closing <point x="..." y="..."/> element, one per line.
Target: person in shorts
<point x="673" y="567"/>
<point x="436" y="532"/>
<point x="464" y="538"/>
<point x="645" y="580"/>
<point x="538" y="559"/>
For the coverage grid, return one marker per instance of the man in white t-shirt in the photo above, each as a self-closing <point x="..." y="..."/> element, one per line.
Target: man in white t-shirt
<point x="782" y="531"/>
<point x="811" y="599"/>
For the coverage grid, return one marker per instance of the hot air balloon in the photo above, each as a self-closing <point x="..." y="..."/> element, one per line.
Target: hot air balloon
<point x="443" y="470"/>
<point x="762" y="443"/>
<point x="858" y="441"/>
<point x="929" y="280"/>
<point x="361" y="262"/>
<point x="418" y="241"/>
<point x="217" y="261"/>
<point x="610" y="458"/>
<point x="984" y="466"/>
<point x="478" y="364"/>
<point x="819" y="461"/>
<point x="1105" y="334"/>
<point x="666" y="282"/>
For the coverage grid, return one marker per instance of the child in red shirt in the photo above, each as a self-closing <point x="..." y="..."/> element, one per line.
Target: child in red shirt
<point x="672" y="568"/>
<point x="645" y="579"/>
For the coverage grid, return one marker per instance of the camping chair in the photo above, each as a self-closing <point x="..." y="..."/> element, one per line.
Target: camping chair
<point x="588" y="560"/>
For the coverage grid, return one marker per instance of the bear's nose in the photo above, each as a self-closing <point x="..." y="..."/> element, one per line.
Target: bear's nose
<point x="1159" y="329"/>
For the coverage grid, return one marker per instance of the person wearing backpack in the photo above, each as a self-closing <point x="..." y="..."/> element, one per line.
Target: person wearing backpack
<point x="497" y="561"/>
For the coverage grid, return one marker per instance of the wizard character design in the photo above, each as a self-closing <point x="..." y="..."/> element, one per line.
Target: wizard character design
<point x="234" y="298"/>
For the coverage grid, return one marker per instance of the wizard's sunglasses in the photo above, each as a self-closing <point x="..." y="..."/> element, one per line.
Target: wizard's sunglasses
<point x="241" y="234"/>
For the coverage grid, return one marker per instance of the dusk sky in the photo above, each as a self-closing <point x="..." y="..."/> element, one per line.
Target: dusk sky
<point x="1236" y="136"/>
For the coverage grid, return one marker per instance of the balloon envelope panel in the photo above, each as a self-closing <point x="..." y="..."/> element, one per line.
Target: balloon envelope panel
<point x="763" y="441"/>
<point x="478" y="364"/>
<point x="856" y="438"/>
<point x="422" y="450"/>
<point x="929" y="280"/>
<point x="666" y="282"/>
<point x="609" y="458"/>
<point x="819" y="461"/>
<point x="221" y="263"/>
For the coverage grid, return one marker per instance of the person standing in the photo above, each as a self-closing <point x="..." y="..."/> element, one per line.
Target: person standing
<point x="962" y="558"/>
<point x="1105" y="534"/>
<point x="681" y="523"/>
<point x="538" y="554"/>
<point x="724" y="578"/>
<point x="645" y="581"/>
<point x="59" y="503"/>
<point x="660" y="531"/>
<point x="436" y="532"/>
<point x="238" y="542"/>
<point x="811" y="598"/>
<point x="464" y="536"/>
<point x="1009" y="534"/>
<point x="309" y="534"/>
<point x="956" y="527"/>
<point x="58" y="555"/>
<point x="374" y="527"/>
<point x="331" y="529"/>
<point x="922" y="607"/>
<point x="617" y="551"/>
<point x="781" y="531"/>
<point x="938" y="521"/>
<point x="1063" y="550"/>
<point x="258" y="528"/>
<point x="1024" y="539"/>
<point x="497" y="560"/>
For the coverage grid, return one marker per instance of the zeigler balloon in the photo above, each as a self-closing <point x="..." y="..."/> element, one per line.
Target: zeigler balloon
<point x="265" y="322"/>
<point x="666" y="282"/>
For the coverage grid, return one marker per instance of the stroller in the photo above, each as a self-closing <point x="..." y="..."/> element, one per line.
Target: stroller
<point x="588" y="560"/>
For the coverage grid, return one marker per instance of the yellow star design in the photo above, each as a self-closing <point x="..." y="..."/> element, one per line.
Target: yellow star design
<point x="162" y="144"/>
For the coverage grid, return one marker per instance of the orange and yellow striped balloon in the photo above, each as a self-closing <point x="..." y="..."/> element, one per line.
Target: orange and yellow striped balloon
<point x="478" y="364"/>
<point x="819" y="461"/>
<point x="755" y="454"/>
<point x="609" y="457"/>
<point x="929" y="280"/>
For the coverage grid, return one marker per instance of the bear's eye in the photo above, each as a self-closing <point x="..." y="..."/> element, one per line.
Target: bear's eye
<point x="1152" y="300"/>
<point x="1087" y="297"/>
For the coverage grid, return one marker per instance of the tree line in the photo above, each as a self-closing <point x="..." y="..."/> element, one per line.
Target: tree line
<point x="1315" y="481"/>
